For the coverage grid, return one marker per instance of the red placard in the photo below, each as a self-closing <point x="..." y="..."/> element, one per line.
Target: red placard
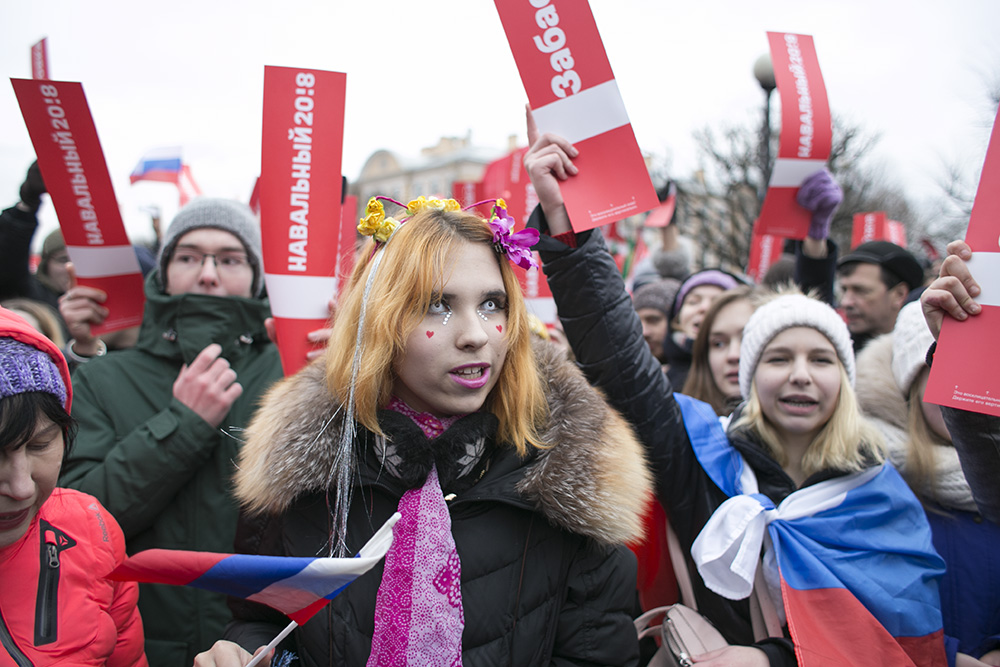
<point x="76" y="176"/>
<point x="765" y="249"/>
<point x="806" y="133"/>
<point x="572" y="93"/>
<point x="664" y="213"/>
<point x="40" y="59"/>
<point x="300" y="183"/>
<point x="875" y="226"/>
<point x="964" y="374"/>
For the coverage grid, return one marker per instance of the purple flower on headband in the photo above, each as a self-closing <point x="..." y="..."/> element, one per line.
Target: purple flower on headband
<point x="516" y="246"/>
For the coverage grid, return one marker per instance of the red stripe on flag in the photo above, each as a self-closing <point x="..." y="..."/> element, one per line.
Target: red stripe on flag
<point x="166" y="566"/>
<point x="831" y="627"/>
<point x="304" y="614"/>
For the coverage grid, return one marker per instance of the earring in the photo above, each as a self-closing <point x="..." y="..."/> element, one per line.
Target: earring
<point x="447" y="316"/>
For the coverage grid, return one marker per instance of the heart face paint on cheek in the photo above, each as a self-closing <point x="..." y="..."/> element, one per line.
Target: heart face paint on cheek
<point x="500" y="328"/>
<point x="429" y="334"/>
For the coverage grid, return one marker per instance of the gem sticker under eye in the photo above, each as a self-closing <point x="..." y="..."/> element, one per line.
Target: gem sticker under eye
<point x="447" y="316"/>
<point x="482" y="315"/>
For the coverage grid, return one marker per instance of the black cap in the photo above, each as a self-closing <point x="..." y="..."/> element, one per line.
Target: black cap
<point x="896" y="259"/>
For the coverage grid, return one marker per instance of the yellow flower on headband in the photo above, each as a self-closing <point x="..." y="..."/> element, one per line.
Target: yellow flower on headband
<point x="375" y="223"/>
<point x="383" y="233"/>
<point x="502" y="204"/>
<point x="421" y="203"/>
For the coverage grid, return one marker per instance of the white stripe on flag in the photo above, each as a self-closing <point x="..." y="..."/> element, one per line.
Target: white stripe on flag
<point x="985" y="268"/>
<point x="299" y="297"/>
<point x="587" y="114"/>
<point x="102" y="261"/>
<point x="790" y="172"/>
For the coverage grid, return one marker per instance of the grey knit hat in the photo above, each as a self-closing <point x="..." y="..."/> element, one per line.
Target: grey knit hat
<point x="784" y="312"/>
<point x="658" y="295"/>
<point x="225" y="214"/>
<point x="26" y="368"/>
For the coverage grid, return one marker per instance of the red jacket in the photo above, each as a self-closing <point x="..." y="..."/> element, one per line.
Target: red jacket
<point x="56" y="606"/>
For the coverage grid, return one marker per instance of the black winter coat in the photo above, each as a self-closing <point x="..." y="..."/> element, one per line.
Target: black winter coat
<point x="546" y="579"/>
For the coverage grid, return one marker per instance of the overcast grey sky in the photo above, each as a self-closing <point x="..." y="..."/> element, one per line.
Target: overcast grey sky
<point x="190" y="73"/>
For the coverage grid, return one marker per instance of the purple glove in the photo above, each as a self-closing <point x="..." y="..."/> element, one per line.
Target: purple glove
<point x="821" y="195"/>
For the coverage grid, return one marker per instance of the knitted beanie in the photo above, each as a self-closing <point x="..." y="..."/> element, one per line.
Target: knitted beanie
<point x="52" y="244"/>
<point x="910" y="340"/>
<point x="784" y="312"/>
<point x="26" y="368"/>
<point x="225" y="214"/>
<point x="658" y="295"/>
<point x="707" y="277"/>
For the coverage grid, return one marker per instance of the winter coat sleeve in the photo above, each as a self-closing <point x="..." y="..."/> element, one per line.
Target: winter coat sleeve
<point x="137" y="474"/>
<point x="817" y="274"/>
<point x="129" y="650"/>
<point x="606" y="336"/>
<point x="17" y="227"/>
<point x="977" y="438"/>
<point x="595" y="624"/>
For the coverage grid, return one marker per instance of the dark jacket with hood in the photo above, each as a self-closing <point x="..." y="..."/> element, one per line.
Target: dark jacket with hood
<point x="545" y="578"/>
<point x="159" y="468"/>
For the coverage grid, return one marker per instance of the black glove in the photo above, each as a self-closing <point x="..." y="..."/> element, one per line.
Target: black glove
<point x="33" y="187"/>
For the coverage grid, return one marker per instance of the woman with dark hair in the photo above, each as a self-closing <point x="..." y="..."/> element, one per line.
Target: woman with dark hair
<point x="56" y="545"/>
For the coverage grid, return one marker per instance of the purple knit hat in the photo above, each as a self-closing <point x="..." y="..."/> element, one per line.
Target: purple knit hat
<point x="25" y="368"/>
<point x="707" y="277"/>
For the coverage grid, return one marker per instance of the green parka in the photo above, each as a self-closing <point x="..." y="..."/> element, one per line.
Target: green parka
<point x="158" y="467"/>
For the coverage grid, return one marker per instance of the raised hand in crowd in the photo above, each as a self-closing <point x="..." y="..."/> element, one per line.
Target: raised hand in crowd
<point x="81" y="308"/>
<point x="954" y="291"/>
<point x="208" y="385"/>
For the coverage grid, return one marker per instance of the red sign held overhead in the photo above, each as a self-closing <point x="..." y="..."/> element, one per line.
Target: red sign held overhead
<point x="806" y="133"/>
<point x="572" y="93"/>
<point x="300" y="184"/>
<point x="875" y="226"/>
<point x="76" y="176"/>
<point x="964" y="374"/>
<point x="765" y="249"/>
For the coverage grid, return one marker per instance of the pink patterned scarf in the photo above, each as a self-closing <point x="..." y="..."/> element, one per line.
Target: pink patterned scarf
<point x="418" y="610"/>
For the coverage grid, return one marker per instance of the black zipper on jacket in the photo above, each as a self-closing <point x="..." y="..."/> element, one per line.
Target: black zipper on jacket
<point x="7" y="641"/>
<point x="52" y="541"/>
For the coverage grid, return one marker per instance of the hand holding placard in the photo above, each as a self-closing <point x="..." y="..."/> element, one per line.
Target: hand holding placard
<point x="573" y="93"/>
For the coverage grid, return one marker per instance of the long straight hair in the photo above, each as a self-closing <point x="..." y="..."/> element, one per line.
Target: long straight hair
<point x="411" y="272"/>
<point x="700" y="383"/>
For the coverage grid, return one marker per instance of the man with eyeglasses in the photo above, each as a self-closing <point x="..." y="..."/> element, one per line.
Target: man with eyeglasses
<point x="161" y="424"/>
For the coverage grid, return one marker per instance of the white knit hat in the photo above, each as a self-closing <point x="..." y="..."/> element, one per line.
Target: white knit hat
<point x="910" y="340"/>
<point x="784" y="312"/>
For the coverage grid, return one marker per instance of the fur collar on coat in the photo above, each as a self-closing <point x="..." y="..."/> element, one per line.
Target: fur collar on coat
<point x="593" y="481"/>
<point x="885" y="405"/>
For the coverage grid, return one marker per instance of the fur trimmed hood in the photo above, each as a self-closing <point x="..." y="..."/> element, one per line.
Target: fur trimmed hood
<point x="593" y="481"/>
<point x="885" y="406"/>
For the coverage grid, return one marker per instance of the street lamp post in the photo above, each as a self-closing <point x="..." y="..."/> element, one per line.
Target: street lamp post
<point x="763" y="70"/>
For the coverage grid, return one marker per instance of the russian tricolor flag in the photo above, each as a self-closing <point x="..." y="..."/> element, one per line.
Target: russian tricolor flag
<point x="165" y="165"/>
<point x="851" y="556"/>
<point x="297" y="587"/>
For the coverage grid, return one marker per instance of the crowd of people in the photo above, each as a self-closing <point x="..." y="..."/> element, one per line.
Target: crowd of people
<point x="525" y="472"/>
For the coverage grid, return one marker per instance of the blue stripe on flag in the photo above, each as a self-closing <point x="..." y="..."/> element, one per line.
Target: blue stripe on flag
<point x="723" y="464"/>
<point x="877" y="545"/>
<point x="242" y="576"/>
